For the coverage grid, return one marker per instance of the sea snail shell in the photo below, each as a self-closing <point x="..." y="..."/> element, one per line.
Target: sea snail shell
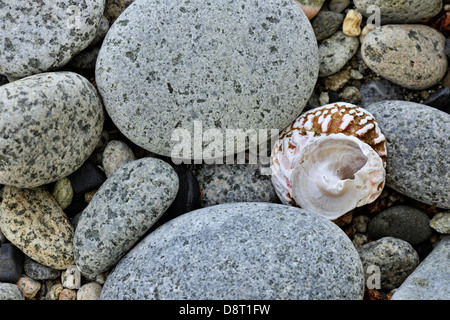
<point x="330" y="160"/>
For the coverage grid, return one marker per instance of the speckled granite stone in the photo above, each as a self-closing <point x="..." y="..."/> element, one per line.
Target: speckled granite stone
<point x="396" y="259"/>
<point x="34" y="222"/>
<point x="122" y="210"/>
<point x="411" y="56"/>
<point x="38" y="271"/>
<point x="431" y="279"/>
<point x="224" y="183"/>
<point x="9" y="291"/>
<point x="441" y="222"/>
<point x="335" y="52"/>
<point x="240" y="251"/>
<point x="402" y="222"/>
<point x="418" y="144"/>
<point x="226" y="64"/>
<point x="410" y="11"/>
<point x="50" y="124"/>
<point x="40" y="36"/>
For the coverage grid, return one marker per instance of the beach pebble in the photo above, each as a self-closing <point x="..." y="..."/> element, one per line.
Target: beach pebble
<point x="335" y="52"/>
<point x="311" y="7"/>
<point x="67" y="294"/>
<point x="352" y="23"/>
<point x="402" y="222"/>
<point x="122" y="210"/>
<point x="395" y="258"/>
<point x="224" y="183"/>
<point x="351" y="94"/>
<point x="439" y="99"/>
<point x="37" y="271"/>
<point x="392" y="12"/>
<point x="116" y="153"/>
<point x="63" y="107"/>
<point x="339" y="5"/>
<point x="11" y="263"/>
<point x="431" y="279"/>
<point x="71" y="277"/>
<point x="29" y="287"/>
<point x="411" y="56"/>
<point x="376" y="91"/>
<point x="240" y="251"/>
<point x="360" y="223"/>
<point x="418" y="144"/>
<point x="54" y="292"/>
<point x="113" y="8"/>
<point x="10" y="291"/>
<point x="165" y="70"/>
<point x="87" y="178"/>
<point x="326" y="23"/>
<point x="89" y="291"/>
<point x="63" y="192"/>
<point x="40" y="36"/>
<point x="441" y="222"/>
<point x="34" y="222"/>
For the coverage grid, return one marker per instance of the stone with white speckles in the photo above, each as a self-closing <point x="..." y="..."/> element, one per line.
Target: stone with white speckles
<point x="40" y="36"/>
<point x="240" y="251"/>
<point x="121" y="211"/>
<point x="222" y="64"/>
<point x="418" y="144"/>
<point x="50" y="123"/>
<point x="10" y="291"/>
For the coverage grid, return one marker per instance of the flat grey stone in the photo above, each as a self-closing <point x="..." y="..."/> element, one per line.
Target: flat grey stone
<point x="221" y="64"/>
<point x="127" y="204"/>
<point x="411" y="11"/>
<point x="335" y="52"/>
<point x="395" y="258"/>
<point x="402" y="222"/>
<point x="50" y="124"/>
<point x="412" y="56"/>
<point x="40" y="36"/>
<point x="418" y="146"/>
<point x="240" y="251"/>
<point x="431" y="279"/>
<point x="326" y="23"/>
<point x="9" y="291"/>
<point x="38" y="271"/>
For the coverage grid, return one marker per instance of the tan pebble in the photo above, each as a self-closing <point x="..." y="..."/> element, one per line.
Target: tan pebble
<point x="89" y="291"/>
<point x="337" y="80"/>
<point x="352" y="23"/>
<point x="53" y="293"/>
<point x="28" y="286"/>
<point x="68" y="294"/>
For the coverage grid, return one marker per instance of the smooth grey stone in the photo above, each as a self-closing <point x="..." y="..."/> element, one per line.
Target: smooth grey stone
<point x="418" y="146"/>
<point x="38" y="271"/>
<point x="412" y="56"/>
<point x="335" y="52"/>
<point x="439" y="99"/>
<point x="121" y="211"/>
<point x="221" y="65"/>
<point x="40" y="36"/>
<point x="11" y="263"/>
<point x="240" y="251"/>
<point x="224" y="183"/>
<point x="326" y="23"/>
<point x="339" y="5"/>
<point x="395" y="258"/>
<point x="50" y="124"/>
<point x="431" y="279"/>
<point x="411" y="11"/>
<point x="402" y="222"/>
<point x="9" y="291"/>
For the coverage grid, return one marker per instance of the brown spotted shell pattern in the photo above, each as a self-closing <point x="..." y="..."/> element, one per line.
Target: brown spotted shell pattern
<point x="353" y="142"/>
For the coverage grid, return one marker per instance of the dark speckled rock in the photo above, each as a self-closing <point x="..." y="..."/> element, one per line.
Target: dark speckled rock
<point x="121" y="211"/>
<point x="224" y="183"/>
<point x="40" y="36"/>
<point x="240" y="251"/>
<point x="50" y="123"/>
<point x="411" y="56"/>
<point x="418" y="145"/>
<point x="225" y="64"/>
<point x="34" y="222"/>
<point x="11" y="263"/>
